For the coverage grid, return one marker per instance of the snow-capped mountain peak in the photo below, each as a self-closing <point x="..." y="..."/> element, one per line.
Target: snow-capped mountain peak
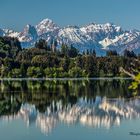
<point x="46" y="21"/>
<point x="45" y="26"/>
<point x="100" y="37"/>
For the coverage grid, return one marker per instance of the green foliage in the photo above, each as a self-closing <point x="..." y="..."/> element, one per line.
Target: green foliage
<point x="65" y="63"/>
<point x="3" y="71"/>
<point x="64" y="49"/>
<point x="34" y="72"/>
<point x="91" y="66"/>
<point x="15" y="73"/>
<point x="72" y="52"/>
<point x="135" y="85"/>
<point x="42" y="44"/>
<point x="55" y="73"/>
<point x="77" y="72"/>
<point x="44" y="60"/>
<point x="9" y="47"/>
<point x="111" y="53"/>
<point x="23" y="70"/>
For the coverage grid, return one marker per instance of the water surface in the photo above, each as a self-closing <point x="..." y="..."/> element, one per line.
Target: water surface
<point x="68" y="109"/>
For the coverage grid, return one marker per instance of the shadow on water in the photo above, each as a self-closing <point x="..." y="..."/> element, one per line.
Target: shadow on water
<point x="134" y="134"/>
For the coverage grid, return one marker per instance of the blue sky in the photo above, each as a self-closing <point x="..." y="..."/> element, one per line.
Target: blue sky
<point x="15" y="14"/>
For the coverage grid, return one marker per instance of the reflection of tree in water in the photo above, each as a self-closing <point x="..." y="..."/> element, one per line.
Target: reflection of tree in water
<point x="48" y="102"/>
<point x="98" y="113"/>
<point x="9" y="104"/>
<point x="42" y="93"/>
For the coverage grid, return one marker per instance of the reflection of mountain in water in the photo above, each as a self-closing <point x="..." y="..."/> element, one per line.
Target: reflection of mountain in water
<point x="99" y="113"/>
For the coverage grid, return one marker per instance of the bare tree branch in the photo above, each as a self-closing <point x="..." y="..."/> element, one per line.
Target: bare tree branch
<point x="128" y="73"/>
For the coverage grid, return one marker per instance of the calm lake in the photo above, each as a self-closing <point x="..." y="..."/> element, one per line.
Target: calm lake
<point x="68" y="110"/>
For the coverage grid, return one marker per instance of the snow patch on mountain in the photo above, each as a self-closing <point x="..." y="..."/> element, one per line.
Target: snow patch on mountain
<point x="101" y="37"/>
<point x="29" y="34"/>
<point x="10" y="33"/>
<point x="45" y="26"/>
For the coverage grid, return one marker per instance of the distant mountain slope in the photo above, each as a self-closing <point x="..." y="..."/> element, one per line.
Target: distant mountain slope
<point x="101" y="37"/>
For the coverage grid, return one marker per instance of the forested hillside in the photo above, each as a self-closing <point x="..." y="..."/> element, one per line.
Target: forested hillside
<point x="45" y="60"/>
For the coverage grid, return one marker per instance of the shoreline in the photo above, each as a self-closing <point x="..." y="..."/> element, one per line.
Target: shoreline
<point x="65" y="79"/>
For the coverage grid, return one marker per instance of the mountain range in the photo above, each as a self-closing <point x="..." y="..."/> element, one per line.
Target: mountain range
<point x="101" y="37"/>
